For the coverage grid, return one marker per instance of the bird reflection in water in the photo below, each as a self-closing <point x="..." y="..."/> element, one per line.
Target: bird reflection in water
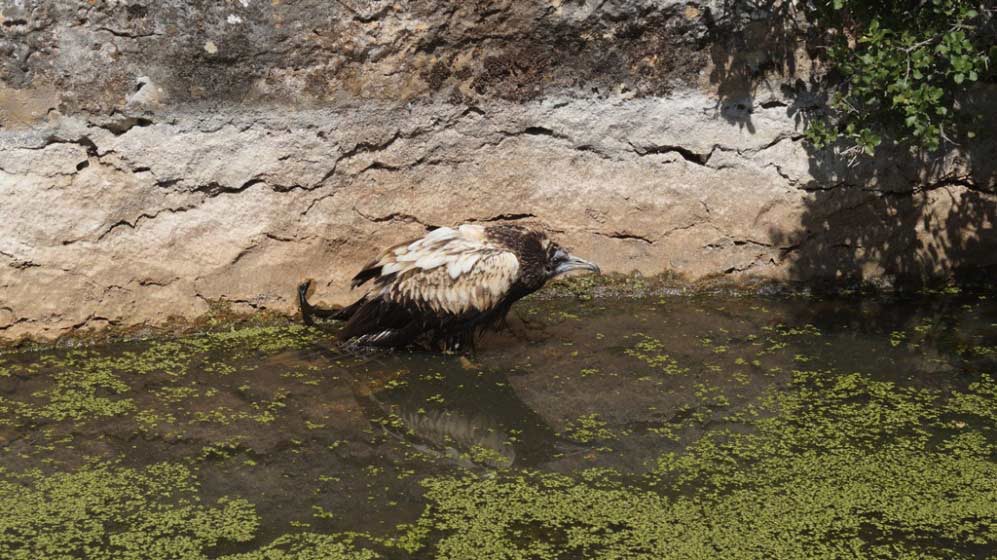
<point x="449" y="408"/>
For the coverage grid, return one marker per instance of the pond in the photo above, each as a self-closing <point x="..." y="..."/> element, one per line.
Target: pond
<point x="662" y="427"/>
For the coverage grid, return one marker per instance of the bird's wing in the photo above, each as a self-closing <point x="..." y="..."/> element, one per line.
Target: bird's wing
<point x="449" y="270"/>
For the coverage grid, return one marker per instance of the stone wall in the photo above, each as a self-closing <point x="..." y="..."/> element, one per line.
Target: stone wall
<point x="156" y="157"/>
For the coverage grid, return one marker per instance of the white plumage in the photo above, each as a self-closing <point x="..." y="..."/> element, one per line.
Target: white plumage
<point x="449" y="270"/>
<point x="442" y="288"/>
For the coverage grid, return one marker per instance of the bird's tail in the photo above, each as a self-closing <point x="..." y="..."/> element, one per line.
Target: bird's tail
<point x="309" y="311"/>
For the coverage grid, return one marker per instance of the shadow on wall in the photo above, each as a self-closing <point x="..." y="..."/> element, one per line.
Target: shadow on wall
<point x="906" y="220"/>
<point x="751" y="43"/>
<point x="900" y="219"/>
<point x="910" y="218"/>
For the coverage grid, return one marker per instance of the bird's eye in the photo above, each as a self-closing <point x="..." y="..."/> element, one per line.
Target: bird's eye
<point x="557" y="257"/>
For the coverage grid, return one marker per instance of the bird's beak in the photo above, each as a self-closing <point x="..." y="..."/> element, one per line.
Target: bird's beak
<point x="575" y="263"/>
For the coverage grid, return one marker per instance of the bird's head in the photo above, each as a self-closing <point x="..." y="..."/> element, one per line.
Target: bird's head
<point x="559" y="261"/>
<point x="539" y="257"/>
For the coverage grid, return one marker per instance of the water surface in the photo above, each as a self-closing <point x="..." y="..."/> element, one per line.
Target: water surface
<point x="671" y="427"/>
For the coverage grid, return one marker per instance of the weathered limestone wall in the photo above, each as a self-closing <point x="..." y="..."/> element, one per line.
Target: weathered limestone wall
<point x="159" y="156"/>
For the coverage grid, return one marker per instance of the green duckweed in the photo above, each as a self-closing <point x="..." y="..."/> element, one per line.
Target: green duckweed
<point x="105" y="511"/>
<point x="826" y="461"/>
<point x="834" y="467"/>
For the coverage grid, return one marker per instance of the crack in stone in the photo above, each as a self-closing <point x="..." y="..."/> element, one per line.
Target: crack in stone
<point x="778" y="169"/>
<point x="370" y="148"/>
<point x="779" y="138"/>
<point x="121" y="223"/>
<point x="703" y="158"/>
<point x="214" y="188"/>
<point x="685" y="227"/>
<point x="142" y="217"/>
<point x="741" y="242"/>
<point x="276" y="237"/>
<point x="245" y="251"/>
<point x="956" y="181"/>
<point x="84" y="141"/>
<point x="151" y="282"/>
<point x="625" y="235"/>
<point x="121" y="126"/>
<point x="126" y="34"/>
<point x="754" y="262"/>
<point x="503" y="218"/>
<point x="686" y="154"/>
<point x="545" y="132"/>
<point x="394" y="217"/>
<point x="315" y="201"/>
<point x="542" y="131"/>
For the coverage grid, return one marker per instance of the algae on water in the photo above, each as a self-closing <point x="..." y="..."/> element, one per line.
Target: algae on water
<point x="707" y="429"/>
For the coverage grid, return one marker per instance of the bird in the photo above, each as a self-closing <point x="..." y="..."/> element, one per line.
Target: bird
<point x="442" y="289"/>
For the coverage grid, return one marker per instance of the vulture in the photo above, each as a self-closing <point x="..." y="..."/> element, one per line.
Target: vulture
<point x="440" y="289"/>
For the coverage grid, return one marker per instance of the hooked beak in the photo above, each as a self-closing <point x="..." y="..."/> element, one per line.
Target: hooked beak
<point x="574" y="263"/>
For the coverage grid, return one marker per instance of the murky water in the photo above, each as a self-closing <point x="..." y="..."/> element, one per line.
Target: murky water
<point x="741" y="427"/>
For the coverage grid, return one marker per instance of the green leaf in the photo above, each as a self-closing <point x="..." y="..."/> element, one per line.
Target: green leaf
<point x="907" y="70"/>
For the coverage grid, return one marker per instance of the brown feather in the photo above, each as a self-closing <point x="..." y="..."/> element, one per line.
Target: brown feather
<point x="447" y="285"/>
<point x="451" y="271"/>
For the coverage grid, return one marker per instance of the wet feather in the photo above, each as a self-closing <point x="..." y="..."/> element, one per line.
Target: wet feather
<point x="449" y="283"/>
